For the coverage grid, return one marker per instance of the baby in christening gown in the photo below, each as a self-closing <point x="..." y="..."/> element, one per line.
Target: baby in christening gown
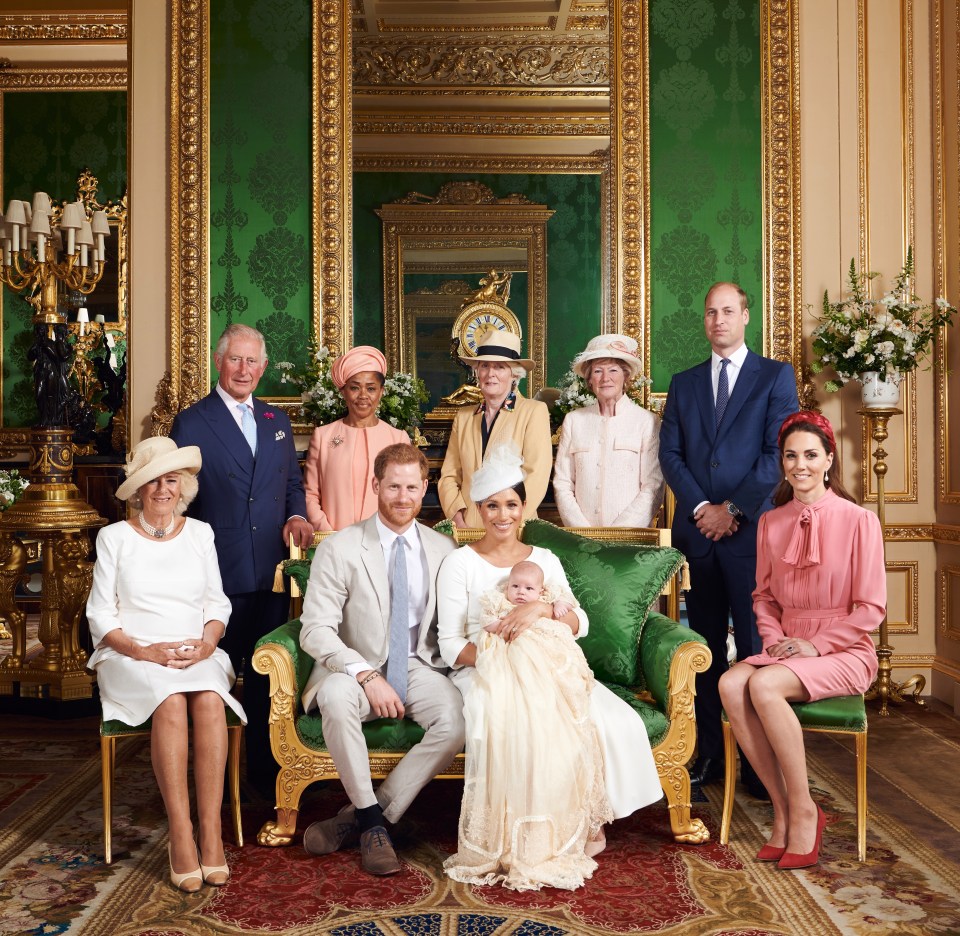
<point x="534" y="793"/>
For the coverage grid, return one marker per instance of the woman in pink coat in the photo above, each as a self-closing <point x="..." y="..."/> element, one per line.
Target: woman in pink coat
<point x="338" y="470"/>
<point x="821" y="590"/>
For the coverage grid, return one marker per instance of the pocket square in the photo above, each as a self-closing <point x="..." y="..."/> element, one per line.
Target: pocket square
<point x="280" y="435"/>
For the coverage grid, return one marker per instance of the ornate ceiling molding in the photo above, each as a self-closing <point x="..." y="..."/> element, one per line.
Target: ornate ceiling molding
<point x="64" y="27"/>
<point x="474" y="63"/>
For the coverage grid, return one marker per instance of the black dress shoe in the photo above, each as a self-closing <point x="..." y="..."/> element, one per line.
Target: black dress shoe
<point x="706" y="770"/>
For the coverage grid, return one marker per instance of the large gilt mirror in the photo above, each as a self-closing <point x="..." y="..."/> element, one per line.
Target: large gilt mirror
<point x="433" y="247"/>
<point x="456" y="89"/>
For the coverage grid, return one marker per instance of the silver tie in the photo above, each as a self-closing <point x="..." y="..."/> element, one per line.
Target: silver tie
<point x="249" y="426"/>
<point x="399" y="622"/>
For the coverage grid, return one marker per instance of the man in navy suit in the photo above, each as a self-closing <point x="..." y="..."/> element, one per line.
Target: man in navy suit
<point x="251" y="493"/>
<point x="718" y="451"/>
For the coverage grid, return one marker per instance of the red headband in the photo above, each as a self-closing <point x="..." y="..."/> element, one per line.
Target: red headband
<point x="808" y="416"/>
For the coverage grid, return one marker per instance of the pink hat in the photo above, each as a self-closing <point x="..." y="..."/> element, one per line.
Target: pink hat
<point x="356" y="361"/>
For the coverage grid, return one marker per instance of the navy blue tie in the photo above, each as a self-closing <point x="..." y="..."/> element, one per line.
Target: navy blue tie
<point x="723" y="391"/>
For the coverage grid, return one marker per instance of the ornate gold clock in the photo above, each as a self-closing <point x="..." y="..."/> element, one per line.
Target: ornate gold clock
<point x="485" y="311"/>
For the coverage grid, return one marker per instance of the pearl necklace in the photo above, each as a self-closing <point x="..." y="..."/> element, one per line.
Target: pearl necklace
<point x="158" y="532"/>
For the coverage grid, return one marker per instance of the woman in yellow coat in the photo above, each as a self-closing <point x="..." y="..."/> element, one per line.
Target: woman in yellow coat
<point x="338" y="470"/>
<point x="504" y="415"/>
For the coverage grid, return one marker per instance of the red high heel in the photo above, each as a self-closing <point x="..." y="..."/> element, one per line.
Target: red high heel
<point x="791" y="861"/>
<point x="771" y="853"/>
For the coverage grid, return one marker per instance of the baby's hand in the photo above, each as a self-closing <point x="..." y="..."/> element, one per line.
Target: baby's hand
<point x="561" y="609"/>
<point x="493" y="626"/>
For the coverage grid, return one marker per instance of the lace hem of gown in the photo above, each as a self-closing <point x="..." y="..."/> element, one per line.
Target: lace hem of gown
<point x="534" y="790"/>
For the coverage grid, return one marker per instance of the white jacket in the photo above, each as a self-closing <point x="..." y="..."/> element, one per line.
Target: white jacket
<point x="607" y="471"/>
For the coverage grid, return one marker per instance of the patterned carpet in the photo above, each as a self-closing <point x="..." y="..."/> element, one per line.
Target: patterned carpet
<point x="53" y="881"/>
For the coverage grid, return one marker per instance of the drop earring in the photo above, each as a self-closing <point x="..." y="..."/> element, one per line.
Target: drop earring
<point x="826" y="478"/>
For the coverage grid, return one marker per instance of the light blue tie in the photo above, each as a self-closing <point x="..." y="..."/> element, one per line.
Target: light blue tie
<point x="723" y="391"/>
<point x="399" y="622"/>
<point x="249" y="426"/>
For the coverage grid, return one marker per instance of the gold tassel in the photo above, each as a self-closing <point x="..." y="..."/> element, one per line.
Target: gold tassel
<point x="685" y="577"/>
<point x="278" y="578"/>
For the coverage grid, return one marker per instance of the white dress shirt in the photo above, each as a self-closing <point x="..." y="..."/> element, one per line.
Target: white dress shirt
<point x="418" y="587"/>
<point x="733" y="371"/>
<point x="232" y="404"/>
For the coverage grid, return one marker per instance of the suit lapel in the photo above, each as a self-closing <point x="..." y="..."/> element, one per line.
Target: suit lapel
<point x="265" y="436"/>
<point x="225" y="427"/>
<point x="434" y="558"/>
<point x="746" y="381"/>
<point x="371" y="555"/>
<point x="704" y="392"/>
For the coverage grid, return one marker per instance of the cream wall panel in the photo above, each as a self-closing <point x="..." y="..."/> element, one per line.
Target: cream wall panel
<point x="867" y="178"/>
<point x="149" y="209"/>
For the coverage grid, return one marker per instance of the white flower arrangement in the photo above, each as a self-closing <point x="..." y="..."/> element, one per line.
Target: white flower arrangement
<point x="11" y="487"/>
<point x="322" y="403"/>
<point x="890" y="335"/>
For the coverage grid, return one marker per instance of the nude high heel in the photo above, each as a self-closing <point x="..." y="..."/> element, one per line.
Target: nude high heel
<point x="185" y="882"/>
<point x="214" y="875"/>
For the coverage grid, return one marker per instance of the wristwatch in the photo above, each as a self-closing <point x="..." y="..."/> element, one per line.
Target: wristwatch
<point x="733" y="509"/>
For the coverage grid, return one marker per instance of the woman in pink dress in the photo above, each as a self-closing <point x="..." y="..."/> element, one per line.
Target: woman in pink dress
<point x="338" y="470"/>
<point x="821" y="589"/>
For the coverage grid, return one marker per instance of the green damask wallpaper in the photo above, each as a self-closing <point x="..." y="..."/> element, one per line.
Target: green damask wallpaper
<point x="705" y="171"/>
<point x="573" y="253"/>
<point x="260" y="175"/>
<point x="49" y="138"/>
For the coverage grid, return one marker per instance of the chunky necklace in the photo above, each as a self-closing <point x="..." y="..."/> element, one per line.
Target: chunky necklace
<point x="158" y="532"/>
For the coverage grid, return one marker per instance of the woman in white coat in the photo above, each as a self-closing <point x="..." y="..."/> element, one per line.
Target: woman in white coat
<point x="607" y="471"/>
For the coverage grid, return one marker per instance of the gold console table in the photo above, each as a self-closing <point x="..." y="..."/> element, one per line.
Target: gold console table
<point x="52" y="514"/>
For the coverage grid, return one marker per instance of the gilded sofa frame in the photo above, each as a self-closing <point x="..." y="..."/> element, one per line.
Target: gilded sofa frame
<point x="301" y="765"/>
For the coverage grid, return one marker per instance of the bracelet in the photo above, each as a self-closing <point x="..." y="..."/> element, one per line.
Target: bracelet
<point x="369" y="678"/>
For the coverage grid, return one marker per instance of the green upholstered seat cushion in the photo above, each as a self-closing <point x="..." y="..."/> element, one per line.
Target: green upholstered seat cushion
<point x="842" y="713"/>
<point x="615" y="583"/>
<point x="383" y="734"/>
<point x="115" y="728"/>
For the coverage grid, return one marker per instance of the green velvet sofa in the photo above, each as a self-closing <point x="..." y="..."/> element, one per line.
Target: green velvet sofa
<point x="647" y="658"/>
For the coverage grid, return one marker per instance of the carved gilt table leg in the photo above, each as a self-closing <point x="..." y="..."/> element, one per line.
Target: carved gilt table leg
<point x="13" y="564"/>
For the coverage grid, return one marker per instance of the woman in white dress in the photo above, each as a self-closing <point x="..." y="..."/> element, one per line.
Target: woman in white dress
<point x="486" y="846"/>
<point x="157" y="611"/>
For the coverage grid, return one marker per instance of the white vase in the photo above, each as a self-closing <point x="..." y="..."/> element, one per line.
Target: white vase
<point x="880" y="390"/>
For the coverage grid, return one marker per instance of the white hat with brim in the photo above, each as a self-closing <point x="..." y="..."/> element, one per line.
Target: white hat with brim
<point x="501" y="469"/>
<point x="618" y="347"/>
<point x="154" y="457"/>
<point x="498" y="345"/>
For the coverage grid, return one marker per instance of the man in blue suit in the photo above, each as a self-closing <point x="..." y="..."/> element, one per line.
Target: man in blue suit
<point x="718" y="451"/>
<point x="251" y="493"/>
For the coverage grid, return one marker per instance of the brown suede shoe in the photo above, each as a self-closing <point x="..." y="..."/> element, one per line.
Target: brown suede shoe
<point x="376" y="852"/>
<point x="330" y="835"/>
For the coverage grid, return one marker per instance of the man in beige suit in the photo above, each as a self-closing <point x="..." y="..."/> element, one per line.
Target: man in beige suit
<point x="370" y="623"/>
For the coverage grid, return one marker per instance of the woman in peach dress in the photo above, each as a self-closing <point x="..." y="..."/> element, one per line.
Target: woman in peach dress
<point x="338" y="470"/>
<point x="821" y="590"/>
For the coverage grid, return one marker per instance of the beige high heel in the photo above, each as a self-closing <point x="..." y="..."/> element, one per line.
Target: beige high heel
<point x="214" y="875"/>
<point x="182" y="881"/>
